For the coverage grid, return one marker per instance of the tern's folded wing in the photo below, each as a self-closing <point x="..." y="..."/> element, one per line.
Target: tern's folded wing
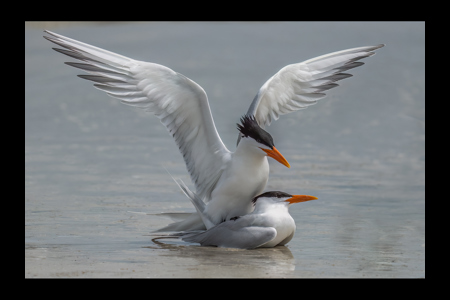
<point x="228" y="236"/>
<point x="180" y="104"/>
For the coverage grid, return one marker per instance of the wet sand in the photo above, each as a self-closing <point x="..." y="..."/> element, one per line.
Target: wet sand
<point x="94" y="168"/>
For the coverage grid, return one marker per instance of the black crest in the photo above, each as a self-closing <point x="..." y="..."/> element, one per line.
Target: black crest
<point x="250" y="128"/>
<point x="272" y="194"/>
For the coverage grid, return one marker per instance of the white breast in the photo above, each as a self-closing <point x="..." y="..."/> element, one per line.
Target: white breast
<point x="243" y="179"/>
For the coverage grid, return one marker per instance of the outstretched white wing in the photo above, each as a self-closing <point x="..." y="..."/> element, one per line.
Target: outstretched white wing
<point x="299" y="85"/>
<point x="180" y="104"/>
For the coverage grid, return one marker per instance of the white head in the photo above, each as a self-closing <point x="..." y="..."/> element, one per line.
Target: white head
<point x="252" y="133"/>
<point x="269" y="200"/>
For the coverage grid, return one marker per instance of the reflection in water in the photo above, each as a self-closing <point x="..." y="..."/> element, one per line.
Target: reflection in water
<point x="277" y="261"/>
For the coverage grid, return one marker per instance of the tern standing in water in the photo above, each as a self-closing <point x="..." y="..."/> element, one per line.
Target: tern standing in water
<point x="226" y="181"/>
<point x="268" y="225"/>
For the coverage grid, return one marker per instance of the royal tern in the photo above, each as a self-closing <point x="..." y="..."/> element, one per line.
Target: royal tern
<point x="268" y="225"/>
<point x="225" y="180"/>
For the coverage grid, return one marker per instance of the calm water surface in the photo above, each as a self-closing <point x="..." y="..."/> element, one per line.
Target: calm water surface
<point x="94" y="168"/>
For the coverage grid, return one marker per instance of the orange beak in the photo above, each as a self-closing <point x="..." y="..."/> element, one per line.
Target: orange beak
<point x="300" y="198"/>
<point x="275" y="154"/>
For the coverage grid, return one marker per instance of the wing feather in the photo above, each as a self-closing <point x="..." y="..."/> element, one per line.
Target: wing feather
<point x="180" y="104"/>
<point x="297" y="86"/>
<point x="234" y="234"/>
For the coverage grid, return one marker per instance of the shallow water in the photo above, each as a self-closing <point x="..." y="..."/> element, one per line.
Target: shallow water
<point x="94" y="168"/>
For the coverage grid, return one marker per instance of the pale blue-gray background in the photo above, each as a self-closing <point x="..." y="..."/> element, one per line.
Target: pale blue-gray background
<point x="94" y="168"/>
